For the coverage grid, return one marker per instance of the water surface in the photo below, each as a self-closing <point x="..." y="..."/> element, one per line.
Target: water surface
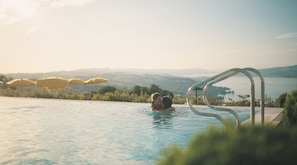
<point x="274" y="86"/>
<point x="49" y="131"/>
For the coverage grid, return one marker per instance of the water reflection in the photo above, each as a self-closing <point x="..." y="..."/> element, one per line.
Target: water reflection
<point x="163" y="120"/>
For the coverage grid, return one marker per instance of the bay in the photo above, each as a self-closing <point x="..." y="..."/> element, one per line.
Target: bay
<point x="274" y="86"/>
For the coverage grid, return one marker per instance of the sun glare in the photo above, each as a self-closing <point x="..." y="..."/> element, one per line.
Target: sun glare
<point x="16" y="10"/>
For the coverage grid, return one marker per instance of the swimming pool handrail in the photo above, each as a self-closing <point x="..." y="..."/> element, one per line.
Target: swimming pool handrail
<point x="223" y="77"/>
<point x="262" y="104"/>
<point x="220" y="77"/>
<point x="203" y="113"/>
<point x="189" y="93"/>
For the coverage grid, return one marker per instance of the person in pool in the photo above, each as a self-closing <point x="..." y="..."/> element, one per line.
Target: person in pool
<point x="156" y="101"/>
<point x="161" y="104"/>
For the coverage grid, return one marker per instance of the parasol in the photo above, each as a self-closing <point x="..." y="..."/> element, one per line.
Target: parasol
<point x="76" y="81"/>
<point x="52" y="83"/>
<point x="97" y="80"/>
<point x="21" y="83"/>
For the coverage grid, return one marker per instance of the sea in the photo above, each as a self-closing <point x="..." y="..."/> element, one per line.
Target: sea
<point x="274" y="87"/>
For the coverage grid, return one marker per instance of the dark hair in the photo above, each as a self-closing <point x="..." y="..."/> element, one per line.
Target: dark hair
<point x="166" y="101"/>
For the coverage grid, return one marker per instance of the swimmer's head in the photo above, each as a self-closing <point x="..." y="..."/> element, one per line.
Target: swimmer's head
<point x="154" y="96"/>
<point x="166" y="101"/>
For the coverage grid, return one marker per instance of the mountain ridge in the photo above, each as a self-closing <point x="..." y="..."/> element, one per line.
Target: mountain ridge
<point x="285" y="71"/>
<point x="172" y="80"/>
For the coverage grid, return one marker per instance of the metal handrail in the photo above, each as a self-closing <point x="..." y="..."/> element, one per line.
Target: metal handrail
<point x="189" y="93"/>
<point x="262" y="104"/>
<point x="222" y="76"/>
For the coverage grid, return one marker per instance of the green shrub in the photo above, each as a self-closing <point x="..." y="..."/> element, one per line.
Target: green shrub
<point x="179" y="100"/>
<point x="289" y="116"/>
<point x="280" y="101"/>
<point x="244" y="146"/>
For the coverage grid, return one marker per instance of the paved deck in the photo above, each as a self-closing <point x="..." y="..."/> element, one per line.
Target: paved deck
<point x="272" y="116"/>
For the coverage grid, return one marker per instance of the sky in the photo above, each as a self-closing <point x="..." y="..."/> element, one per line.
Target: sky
<point x="56" y="35"/>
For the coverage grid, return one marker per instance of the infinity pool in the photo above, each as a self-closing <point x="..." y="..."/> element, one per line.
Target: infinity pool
<point x="49" y="131"/>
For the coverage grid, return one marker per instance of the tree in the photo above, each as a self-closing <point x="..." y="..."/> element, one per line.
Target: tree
<point x="138" y="90"/>
<point x="144" y="90"/>
<point x="280" y="101"/>
<point x="107" y="89"/>
<point x="2" y="78"/>
<point x="290" y="110"/>
<point x="154" y="88"/>
<point x="167" y="93"/>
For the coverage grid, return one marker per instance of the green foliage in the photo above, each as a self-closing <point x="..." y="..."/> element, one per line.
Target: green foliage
<point x="155" y="88"/>
<point x="139" y="90"/>
<point x="121" y="96"/>
<point x="280" y="101"/>
<point x="289" y="116"/>
<point x="179" y="100"/>
<point x="167" y="93"/>
<point x="106" y="93"/>
<point x="136" y="90"/>
<point x="107" y="89"/>
<point x="268" y="102"/>
<point x="80" y="96"/>
<point x="244" y="146"/>
<point x="4" y="78"/>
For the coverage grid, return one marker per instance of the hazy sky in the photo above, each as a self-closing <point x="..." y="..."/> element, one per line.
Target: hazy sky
<point x="54" y="35"/>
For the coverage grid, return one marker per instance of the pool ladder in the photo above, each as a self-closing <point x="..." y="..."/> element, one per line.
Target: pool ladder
<point x="204" y="85"/>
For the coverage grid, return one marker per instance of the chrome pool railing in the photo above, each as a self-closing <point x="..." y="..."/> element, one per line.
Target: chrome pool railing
<point x="220" y="77"/>
<point x="262" y="101"/>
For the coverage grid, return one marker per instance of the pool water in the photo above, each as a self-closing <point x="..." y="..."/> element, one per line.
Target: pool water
<point x="49" y="131"/>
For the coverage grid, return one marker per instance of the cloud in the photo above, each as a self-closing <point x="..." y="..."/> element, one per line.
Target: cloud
<point x="12" y="11"/>
<point x="287" y="35"/>
<point x="16" y="10"/>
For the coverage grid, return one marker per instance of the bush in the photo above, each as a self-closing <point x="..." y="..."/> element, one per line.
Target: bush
<point x="244" y="146"/>
<point x="280" y="101"/>
<point x="290" y="110"/>
<point x="179" y="100"/>
<point x="107" y="89"/>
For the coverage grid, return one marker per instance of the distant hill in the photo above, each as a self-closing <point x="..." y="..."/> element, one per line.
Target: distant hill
<point x="93" y="72"/>
<point x="173" y="80"/>
<point x="288" y="72"/>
